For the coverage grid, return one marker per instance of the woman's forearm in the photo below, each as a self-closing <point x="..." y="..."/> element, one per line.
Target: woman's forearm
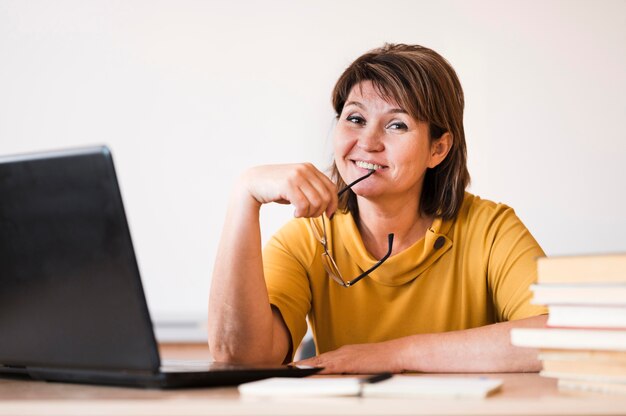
<point x="484" y="349"/>
<point x="240" y="320"/>
<point x="243" y="327"/>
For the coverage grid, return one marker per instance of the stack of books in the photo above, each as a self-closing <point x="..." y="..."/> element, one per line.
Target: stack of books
<point x="584" y="344"/>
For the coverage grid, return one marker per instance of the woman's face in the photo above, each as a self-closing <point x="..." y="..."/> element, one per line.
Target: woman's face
<point x="376" y="133"/>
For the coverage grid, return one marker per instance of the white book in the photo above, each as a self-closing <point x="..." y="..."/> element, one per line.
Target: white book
<point x="584" y="356"/>
<point x="396" y="386"/>
<point x="600" y="378"/>
<point x="592" y="386"/>
<point x="582" y="269"/>
<point x="582" y="339"/>
<point x="578" y="294"/>
<point x="301" y="387"/>
<point x="587" y="316"/>
<point x="445" y="386"/>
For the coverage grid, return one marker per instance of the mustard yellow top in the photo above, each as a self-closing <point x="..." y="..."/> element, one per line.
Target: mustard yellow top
<point x="478" y="273"/>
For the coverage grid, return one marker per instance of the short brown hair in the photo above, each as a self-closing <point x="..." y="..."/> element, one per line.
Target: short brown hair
<point x="424" y="84"/>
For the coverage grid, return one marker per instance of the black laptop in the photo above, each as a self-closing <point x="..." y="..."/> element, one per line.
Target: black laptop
<point x="72" y="306"/>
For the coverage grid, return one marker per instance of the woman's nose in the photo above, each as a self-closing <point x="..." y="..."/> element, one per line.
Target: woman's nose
<point x="371" y="140"/>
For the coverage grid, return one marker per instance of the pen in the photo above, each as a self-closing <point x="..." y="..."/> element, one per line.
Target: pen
<point x="376" y="378"/>
<point x="372" y="379"/>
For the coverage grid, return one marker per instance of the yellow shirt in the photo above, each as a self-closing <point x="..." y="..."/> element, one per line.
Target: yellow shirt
<point x="478" y="273"/>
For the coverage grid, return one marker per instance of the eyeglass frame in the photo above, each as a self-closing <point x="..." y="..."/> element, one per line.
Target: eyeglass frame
<point x="323" y="239"/>
<point x="336" y="273"/>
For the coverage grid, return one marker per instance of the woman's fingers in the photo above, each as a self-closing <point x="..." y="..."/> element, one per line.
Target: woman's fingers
<point x="315" y="201"/>
<point x="302" y="185"/>
<point x="320" y="191"/>
<point x="300" y="202"/>
<point x="327" y="192"/>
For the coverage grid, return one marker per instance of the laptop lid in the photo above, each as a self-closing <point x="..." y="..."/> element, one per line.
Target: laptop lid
<point x="72" y="307"/>
<point x="70" y="291"/>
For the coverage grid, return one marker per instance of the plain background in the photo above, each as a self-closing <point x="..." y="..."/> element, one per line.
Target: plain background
<point x="188" y="94"/>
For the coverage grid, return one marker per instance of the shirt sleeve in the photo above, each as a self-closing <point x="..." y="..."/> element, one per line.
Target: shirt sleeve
<point x="512" y="266"/>
<point x="286" y="261"/>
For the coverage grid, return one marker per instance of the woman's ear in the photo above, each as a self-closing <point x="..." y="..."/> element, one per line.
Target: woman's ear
<point x="439" y="149"/>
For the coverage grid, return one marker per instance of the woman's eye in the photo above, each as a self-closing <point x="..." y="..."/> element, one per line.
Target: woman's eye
<point x="397" y="125"/>
<point x="355" y="119"/>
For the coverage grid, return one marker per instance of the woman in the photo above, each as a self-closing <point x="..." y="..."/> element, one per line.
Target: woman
<point x="438" y="295"/>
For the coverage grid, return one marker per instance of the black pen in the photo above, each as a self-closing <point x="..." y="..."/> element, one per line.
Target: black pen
<point x="373" y="379"/>
<point x="376" y="378"/>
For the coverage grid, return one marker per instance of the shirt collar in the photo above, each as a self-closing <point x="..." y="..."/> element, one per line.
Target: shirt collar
<point x="400" y="268"/>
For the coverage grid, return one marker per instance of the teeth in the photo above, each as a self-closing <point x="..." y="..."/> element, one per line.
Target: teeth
<point x="366" y="165"/>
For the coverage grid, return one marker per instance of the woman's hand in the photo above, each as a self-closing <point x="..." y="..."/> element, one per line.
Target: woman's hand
<point x="302" y="185"/>
<point x="358" y="359"/>
<point x="484" y="349"/>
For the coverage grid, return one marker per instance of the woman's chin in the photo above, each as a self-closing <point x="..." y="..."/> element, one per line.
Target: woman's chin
<point x="368" y="193"/>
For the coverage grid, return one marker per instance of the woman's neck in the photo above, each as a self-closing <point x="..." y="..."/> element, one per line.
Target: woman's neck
<point x="401" y="217"/>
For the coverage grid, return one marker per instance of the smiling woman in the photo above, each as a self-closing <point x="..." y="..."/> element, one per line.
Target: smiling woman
<point x="442" y="274"/>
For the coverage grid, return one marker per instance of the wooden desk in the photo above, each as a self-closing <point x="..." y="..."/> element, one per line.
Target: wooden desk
<point x="521" y="394"/>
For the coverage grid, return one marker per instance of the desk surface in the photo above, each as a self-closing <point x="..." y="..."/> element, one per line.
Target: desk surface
<point x="520" y="394"/>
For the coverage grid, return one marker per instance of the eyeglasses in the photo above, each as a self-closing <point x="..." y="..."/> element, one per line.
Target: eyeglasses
<point x="327" y="260"/>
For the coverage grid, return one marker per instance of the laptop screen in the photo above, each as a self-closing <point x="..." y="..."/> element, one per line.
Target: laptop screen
<point x="70" y="290"/>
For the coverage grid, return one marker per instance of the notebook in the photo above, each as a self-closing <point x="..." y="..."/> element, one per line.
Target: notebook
<point x="396" y="386"/>
<point x="72" y="306"/>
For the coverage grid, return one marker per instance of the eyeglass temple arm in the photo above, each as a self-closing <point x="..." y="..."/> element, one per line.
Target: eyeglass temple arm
<point x="356" y="181"/>
<point x="374" y="267"/>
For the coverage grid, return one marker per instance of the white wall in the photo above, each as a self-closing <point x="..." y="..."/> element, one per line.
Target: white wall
<point x="190" y="93"/>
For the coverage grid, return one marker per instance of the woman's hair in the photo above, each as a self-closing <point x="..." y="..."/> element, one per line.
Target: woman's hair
<point x="424" y="84"/>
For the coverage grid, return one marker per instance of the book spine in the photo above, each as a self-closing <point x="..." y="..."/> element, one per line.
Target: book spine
<point x="591" y="386"/>
<point x="597" y="339"/>
<point x="581" y="269"/>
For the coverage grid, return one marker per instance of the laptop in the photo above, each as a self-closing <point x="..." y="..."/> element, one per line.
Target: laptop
<point x="72" y="306"/>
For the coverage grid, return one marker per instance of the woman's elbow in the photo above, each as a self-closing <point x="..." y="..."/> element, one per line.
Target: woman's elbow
<point x="236" y="353"/>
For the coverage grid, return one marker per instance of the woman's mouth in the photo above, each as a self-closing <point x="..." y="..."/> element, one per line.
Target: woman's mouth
<point x="368" y="165"/>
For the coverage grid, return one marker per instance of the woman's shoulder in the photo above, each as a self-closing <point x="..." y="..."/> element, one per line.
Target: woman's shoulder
<point x="294" y="239"/>
<point x="482" y="222"/>
<point x="294" y="230"/>
<point x="476" y="210"/>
